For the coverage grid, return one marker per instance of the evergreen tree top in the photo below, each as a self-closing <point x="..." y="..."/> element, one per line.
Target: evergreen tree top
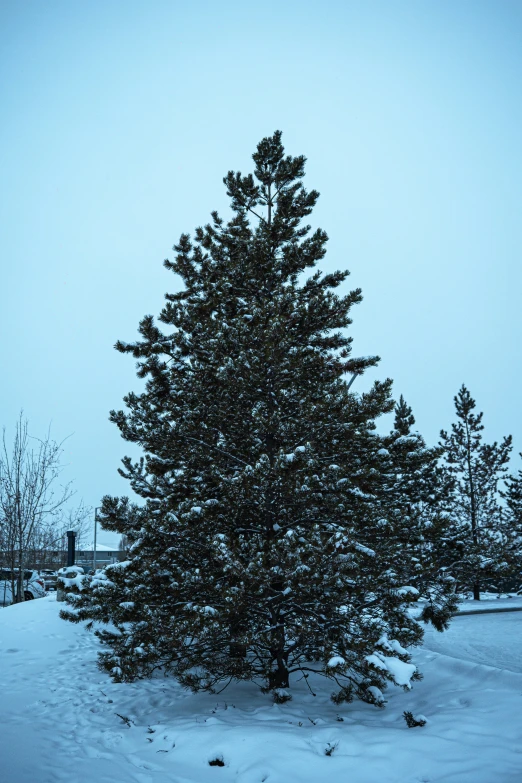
<point x="249" y="270"/>
<point x="465" y="439"/>
<point x="465" y="405"/>
<point x="404" y="418"/>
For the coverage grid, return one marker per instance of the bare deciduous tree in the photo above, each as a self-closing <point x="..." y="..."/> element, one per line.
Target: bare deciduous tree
<point x="50" y="536"/>
<point x="32" y="503"/>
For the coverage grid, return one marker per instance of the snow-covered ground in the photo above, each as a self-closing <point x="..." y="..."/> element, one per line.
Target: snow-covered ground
<point x="61" y="719"/>
<point x="492" y="602"/>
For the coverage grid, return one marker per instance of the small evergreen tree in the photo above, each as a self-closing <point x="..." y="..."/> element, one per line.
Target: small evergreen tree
<point x="513" y="498"/>
<point x="480" y="534"/>
<point x="416" y="489"/>
<point x="513" y="511"/>
<point x="259" y="549"/>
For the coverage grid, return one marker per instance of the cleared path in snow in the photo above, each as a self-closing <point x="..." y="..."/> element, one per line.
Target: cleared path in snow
<point x="490" y="639"/>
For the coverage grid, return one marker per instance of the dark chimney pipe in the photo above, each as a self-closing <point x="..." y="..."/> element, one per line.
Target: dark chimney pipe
<point x="71" y="551"/>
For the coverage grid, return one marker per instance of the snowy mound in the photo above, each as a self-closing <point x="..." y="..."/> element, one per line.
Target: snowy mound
<point x="63" y="720"/>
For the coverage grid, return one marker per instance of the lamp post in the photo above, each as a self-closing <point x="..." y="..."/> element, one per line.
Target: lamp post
<point x="95" y="526"/>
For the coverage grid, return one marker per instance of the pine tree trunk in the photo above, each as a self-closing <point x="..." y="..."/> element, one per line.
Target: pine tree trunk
<point x="279" y="677"/>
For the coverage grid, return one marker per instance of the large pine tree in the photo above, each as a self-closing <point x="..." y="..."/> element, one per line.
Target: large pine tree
<point x="262" y="547"/>
<point x="480" y="533"/>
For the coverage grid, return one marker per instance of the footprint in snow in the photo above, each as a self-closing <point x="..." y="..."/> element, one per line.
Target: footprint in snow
<point x="111" y="740"/>
<point x="137" y="762"/>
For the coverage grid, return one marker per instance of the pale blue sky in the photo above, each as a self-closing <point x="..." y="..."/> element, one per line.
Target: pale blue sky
<point x="120" y="118"/>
